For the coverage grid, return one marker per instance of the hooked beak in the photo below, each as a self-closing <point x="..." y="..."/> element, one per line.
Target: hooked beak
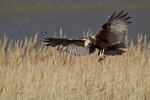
<point x="88" y="45"/>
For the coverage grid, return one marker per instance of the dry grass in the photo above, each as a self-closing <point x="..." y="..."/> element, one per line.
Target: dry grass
<point x="30" y="72"/>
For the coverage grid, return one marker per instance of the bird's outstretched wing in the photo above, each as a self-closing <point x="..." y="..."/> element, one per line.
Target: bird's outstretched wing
<point x="73" y="46"/>
<point x="113" y="30"/>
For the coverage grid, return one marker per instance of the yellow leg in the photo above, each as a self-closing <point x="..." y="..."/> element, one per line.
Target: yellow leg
<point x="101" y="55"/>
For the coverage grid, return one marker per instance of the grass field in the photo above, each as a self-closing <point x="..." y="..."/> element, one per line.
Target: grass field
<point x="29" y="71"/>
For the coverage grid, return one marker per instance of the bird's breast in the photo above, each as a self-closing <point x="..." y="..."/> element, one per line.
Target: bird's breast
<point x="102" y="45"/>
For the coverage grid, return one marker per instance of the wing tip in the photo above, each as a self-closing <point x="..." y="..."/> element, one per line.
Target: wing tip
<point x="121" y="15"/>
<point x="122" y="11"/>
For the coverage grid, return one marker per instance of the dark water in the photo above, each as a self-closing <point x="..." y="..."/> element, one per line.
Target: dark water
<point x="73" y="24"/>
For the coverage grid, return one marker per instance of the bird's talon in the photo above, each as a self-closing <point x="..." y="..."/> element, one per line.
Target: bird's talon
<point x="101" y="56"/>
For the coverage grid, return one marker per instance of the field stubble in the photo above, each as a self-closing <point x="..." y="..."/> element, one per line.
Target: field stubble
<point x="29" y="71"/>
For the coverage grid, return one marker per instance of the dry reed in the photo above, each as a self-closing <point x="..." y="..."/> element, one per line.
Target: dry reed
<point x="29" y="71"/>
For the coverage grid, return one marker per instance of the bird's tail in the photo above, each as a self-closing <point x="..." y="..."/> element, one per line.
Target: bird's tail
<point x="116" y="49"/>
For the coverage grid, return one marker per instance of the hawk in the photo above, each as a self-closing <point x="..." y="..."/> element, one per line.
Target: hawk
<point x="107" y="40"/>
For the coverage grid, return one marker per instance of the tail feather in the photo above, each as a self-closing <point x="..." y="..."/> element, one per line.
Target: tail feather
<point x="115" y="50"/>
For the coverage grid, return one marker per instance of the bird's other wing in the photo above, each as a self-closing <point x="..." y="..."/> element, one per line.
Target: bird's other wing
<point x="113" y="30"/>
<point x="73" y="46"/>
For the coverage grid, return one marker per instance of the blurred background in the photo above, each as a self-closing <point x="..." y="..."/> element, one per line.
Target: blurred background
<point x="20" y="18"/>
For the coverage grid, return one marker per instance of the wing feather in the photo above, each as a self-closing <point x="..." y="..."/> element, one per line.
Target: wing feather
<point x="119" y="15"/>
<point x="74" y="47"/>
<point x="123" y="16"/>
<point x="112" y="16"/>
<point x="113" y="30"/>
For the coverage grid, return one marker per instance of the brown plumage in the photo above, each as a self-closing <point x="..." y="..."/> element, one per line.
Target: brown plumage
<point x="108" y="38"/>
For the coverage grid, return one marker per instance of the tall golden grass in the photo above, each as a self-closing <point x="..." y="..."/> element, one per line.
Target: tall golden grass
<point x="29" y="71"/>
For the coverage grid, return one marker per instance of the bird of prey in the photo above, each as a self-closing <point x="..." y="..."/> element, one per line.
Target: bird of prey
<point x="107" y="40"/>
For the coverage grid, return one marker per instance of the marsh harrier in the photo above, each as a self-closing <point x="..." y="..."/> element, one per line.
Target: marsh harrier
<point x="107" y="40"/>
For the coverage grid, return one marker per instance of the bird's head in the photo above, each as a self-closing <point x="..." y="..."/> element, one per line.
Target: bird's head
<point x="88" y="43"/>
